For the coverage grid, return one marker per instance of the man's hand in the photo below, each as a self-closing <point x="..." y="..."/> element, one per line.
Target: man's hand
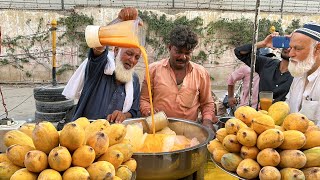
<point x="117" y="116"/>
<point x="97" y="51"/>
<point x="267" y="42"/>
<point x="129" y="13"/>
<point x="232" y="101"/>
<point x="208" y="123"/>
<point x="215" y="120"/>
<point x="148" y="113"/>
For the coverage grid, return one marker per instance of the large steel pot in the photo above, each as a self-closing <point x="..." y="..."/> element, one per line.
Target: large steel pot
<point x="175" y="164"/>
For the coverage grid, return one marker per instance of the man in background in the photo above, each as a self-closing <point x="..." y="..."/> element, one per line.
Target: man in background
<point x="304" y="94"/>
<point x="179" y="87"/>
<point x="273" y="73"/>
<point x="243" y="74"/>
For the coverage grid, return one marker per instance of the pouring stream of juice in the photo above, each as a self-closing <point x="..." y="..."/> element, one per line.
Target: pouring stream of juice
<point x="145" y="58"/>
<point x="122" y="34"/>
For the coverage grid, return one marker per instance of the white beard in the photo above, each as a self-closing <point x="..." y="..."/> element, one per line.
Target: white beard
<point x="299" y="68"/>
<point x="122" y="74"/>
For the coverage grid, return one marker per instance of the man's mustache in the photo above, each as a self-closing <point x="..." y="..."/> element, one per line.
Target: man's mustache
<point x="180" y="60"/>
<point x="292" y="59"/>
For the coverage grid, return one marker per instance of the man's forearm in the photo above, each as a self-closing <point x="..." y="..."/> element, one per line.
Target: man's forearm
<point x="208" y="111"/>
<point x="261" y="44"/>
<point x="230" y="91"/>
<point x="144" y="99"/>
<point x="144" y="107"/>
<point x="246" y="50"/>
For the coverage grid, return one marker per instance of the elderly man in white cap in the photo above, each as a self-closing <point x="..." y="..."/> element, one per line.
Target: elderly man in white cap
<point x="304" y="94"/>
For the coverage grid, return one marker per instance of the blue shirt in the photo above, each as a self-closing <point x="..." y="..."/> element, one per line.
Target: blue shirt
<point x="101" y="95"/>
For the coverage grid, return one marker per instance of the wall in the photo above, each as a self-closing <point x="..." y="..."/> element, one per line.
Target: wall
<point x="14" y="24"/>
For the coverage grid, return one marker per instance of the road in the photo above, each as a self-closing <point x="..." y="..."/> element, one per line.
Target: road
<point x="19" y="102"/>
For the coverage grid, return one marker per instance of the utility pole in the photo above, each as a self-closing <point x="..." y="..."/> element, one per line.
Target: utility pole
<point x="282" y="2"/>
<point x="62" y="4"/>
<point x="0" y="40"/>
<point x="254" y="49"/>
<point x="54" y="63"/>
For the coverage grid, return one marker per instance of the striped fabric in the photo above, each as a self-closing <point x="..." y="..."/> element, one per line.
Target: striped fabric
<point x="310" y="29"/>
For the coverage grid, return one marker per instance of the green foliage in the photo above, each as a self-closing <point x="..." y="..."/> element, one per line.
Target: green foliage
<point x="237" y="32"/>
<point x="75" y="25"/>
<point x="65" y="67"/>
<point x="295" y="24"/>
<point x="28" y="74"/>
<point x="216" y="37"/>
<point x="20" y="49"/>
<point x="219" y="35"/>
<point x="201" y="57"/>
<point x="228" y="33"/>
<point x="4" y="61"/>
<point x="159" y="28"/>
<point x="264" y="27"/>
<point x="216" y="62"/>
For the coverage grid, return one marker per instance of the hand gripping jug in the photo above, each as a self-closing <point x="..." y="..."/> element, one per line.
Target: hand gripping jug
<point x="119" y="34"/>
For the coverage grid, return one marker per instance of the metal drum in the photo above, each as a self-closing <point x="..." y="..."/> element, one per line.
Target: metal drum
<point x="175" y="164"/>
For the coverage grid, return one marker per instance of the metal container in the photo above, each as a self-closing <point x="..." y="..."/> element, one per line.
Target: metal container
<point x="222" y="121"/>
<point x="175" y="164"/>
<point x="6" y="128"/>
<point x="226" y="171"/>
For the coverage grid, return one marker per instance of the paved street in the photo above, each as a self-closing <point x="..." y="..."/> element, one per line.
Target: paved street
<point x="19" y="102"/>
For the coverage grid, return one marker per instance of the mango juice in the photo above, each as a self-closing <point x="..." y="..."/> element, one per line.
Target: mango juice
<point x="265" y="103"/>
<point x="122" y="34"/>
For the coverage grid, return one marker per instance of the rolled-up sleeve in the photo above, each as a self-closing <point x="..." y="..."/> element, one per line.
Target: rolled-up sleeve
<point x="206" y="100"/>
<point x="243" y="53"/>
<point x="144" y="95"/>
<point x="236" y="75"/>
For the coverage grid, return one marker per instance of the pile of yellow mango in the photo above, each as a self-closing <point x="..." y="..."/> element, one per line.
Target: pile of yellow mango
<point x="271" y="144"/>
<point x="81" y="150"/>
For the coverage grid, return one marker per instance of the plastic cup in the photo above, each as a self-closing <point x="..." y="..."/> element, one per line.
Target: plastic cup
<point x="160" y="121"/>
<point x="265" y="98"/>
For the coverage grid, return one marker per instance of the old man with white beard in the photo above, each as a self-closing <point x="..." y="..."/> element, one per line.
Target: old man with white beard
<point x="304" y="94"/>
<point x="106" y="85"/>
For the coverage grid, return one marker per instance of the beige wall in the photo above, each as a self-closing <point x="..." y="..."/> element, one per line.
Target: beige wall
<point x="13" y="23"/>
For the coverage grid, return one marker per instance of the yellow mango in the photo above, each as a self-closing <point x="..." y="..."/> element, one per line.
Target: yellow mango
<point x="49" y="174"/>
<point x="24" y="174"/>
<point x="278" y="111"/>
<point x="296" y="121"/>
<point x="245" y="114"/>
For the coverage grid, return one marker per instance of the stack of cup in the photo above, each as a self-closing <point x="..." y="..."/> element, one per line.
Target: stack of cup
<point x="160" y="119"/>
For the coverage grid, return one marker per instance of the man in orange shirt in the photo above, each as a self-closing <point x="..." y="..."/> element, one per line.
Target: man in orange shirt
<point x="179" y="87"/>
